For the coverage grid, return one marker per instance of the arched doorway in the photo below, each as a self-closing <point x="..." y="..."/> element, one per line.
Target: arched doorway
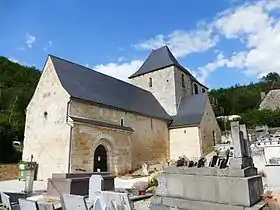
<point x="100" y="159"/>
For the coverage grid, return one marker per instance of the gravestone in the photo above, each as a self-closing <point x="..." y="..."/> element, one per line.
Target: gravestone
<point x="116" y="201"/>
<point x="241" y="156"/>
<point x="74" y="202"/>
<point x="213" y="161"/>
<point x="191" y="164"/>
<point x="235" y="187"/>
<point x="95" y="186"/>
<point x="243" y="129"/>
<point x="99" y="205"/>
<point x="27" y="204"/>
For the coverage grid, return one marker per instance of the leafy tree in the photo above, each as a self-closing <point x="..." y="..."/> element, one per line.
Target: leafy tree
<point x="17" y="85"/>
<point x="271" y="77"/>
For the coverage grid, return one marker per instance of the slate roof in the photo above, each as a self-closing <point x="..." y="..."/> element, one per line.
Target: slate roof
<point x="191" y="110"/>
<point x="161" y="58"/>
<point x="86" y="84"/>
<point x="102" y="124"/>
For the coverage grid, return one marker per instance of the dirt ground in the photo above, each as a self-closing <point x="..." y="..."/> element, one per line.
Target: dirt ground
<point x="9" y="171"/>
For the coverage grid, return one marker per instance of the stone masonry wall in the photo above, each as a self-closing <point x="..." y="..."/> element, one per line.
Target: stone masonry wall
<point x="47" y="137"/>
<point x="180" y="90"/>
<point x="185" y="141"/>
<point x="149" y="141"/>
<point x="163" y="87"/>
<point x="86" y="138"/>
<point x="271" y="100"/>
<point x="207" y="126"/>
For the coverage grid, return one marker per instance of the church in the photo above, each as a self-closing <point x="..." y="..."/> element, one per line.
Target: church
<point x="82" y="120"/>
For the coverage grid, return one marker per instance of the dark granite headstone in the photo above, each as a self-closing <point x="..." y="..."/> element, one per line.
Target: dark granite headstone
<point x="213" y="161"/>
<point x="191" y="164"/>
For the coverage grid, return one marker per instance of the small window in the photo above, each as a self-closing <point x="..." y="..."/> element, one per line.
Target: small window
<point x="195" y="88"/>
<point x="203" y="90"/>
<point x="45" y="115"/>
<point x="121" y="122"/>
<point x="183" y="80"/>
<point x="150" y="82"/>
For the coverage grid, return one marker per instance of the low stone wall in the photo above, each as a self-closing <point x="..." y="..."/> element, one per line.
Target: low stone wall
<point x="9" y="171"/>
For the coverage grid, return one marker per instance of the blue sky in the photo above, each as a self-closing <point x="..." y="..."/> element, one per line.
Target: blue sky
<point x="222" y="42"/>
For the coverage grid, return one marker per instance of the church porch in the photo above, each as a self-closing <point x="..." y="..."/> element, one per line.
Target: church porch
<point x="99" y="146"/>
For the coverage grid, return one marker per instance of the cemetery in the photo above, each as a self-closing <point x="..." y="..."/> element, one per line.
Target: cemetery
<point x="222" y="181"/>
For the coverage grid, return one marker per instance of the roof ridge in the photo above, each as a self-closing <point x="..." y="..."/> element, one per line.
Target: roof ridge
<point x="89" y="69"/>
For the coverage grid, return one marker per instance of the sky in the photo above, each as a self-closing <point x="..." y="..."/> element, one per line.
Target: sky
<point x="222" y="42"/>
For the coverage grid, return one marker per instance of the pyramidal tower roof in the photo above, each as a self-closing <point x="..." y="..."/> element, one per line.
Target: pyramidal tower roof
<point x="159" y="59"/>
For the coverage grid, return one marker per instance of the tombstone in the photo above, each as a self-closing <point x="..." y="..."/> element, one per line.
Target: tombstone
<point x="145" y="171"/>
<point x="74" y="202"/>
<point x="180" y="162"/>
<point x="201" y="163"/>
<point x="191" y="164"/>
<point x="45" y="206"/>
<point x="214" y="160"/>
<point x="99" y="205"/>
<point x="116" y="201"/>
<point x="247" y="148"/>
<point x="95" y="186"/>
<point x="27" y="204"/>
<point x="241" y="159"/>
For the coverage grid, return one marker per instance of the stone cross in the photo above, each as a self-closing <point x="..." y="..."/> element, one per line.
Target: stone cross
<point x="95" y="186"/>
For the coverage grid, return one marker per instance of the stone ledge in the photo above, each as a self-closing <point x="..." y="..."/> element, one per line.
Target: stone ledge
<point x="164" y="203"/>
<point x="208" y="171"/>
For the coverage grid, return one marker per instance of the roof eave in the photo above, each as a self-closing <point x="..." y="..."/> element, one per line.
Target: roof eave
<point x="183" y="126"/>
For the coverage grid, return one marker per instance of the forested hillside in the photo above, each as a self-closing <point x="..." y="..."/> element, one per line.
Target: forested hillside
<point x="17" y="85"/>
<point x="244" y="100"/>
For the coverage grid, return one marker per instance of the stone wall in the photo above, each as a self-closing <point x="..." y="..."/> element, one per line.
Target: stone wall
<point x="149" y="140"/>
<point x="207" y="126"/>
<point x="47" y="135"/>
<point x="271" y="100"/>
<point x="85" y="138"/>
<point x="185" y="141"/>
<point x="163" y="87"/>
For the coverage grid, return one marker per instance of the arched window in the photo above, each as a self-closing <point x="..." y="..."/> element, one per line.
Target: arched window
<point x="195" y="88"/>
<point x="121" y="122"/>
<point x="183" y="80"/>
<point x="203" y="90"/>
<point x="150" y="82"/>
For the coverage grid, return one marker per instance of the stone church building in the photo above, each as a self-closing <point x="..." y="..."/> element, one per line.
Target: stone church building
<point x="271" y="99"/>
<point x="81" y="120"/>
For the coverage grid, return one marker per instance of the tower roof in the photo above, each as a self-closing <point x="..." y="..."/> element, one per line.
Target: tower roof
<point x="159" y="59"/>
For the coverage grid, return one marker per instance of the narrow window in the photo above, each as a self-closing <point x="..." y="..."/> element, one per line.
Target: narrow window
<point x="195" y="88"/>
<point x="150" y="82"/>
<point x="214" y="137"/>
<point x="121" y="122"/>
<point x="183" y="80"/>
<point x="151" y="124"/>
<point x="45" y="115"/>
<point x="203" y="90"/>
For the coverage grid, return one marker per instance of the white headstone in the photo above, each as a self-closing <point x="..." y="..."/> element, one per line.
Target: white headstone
<point x="116" y="201"/>
<point x="27" y="204"/>
<point x="99" y="205"/>
<point x="95" y="186"/>
<point x="74" y="202"/>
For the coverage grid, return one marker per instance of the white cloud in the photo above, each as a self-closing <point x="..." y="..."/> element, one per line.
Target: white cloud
<point x="254" y="26"/>
<point x="120" y="71"/>
<point x="121" y="59"/>
<point x="182" y="42"/>
<point x="13" y="60"/>
<point x="30" y="40"/>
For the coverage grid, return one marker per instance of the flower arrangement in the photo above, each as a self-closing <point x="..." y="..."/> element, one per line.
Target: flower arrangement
<point x="141" y="186"/>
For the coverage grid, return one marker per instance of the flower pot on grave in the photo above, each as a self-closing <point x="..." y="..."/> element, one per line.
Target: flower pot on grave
<point x="141" y="192"/>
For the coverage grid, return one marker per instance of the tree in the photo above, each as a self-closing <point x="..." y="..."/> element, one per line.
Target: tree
<point x="17" y="85"/>
<point x="271" y="77"/>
